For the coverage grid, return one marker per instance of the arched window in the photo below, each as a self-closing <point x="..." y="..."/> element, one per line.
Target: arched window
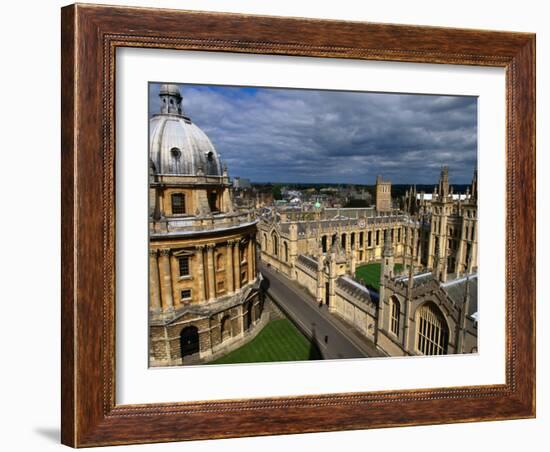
<point x="432" y="333"/>
<point x="175" y="153"/>
<point x="324" y="243"/>
<point x="189" y="341"/>
<point x="178" y="203"/>
<point x="285" y="245"/>
<point x="211" y="167"/>
<point x="213" y="201"/>
<point x="275" y="244"/>
<point x="395" y="310"/>
<point x="265" y="242"/>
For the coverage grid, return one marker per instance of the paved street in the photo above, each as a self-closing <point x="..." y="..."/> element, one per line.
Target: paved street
<point x="335" y="338"/>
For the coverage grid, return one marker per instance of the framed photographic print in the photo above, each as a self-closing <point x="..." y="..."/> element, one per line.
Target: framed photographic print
<point x="281" y="225"/>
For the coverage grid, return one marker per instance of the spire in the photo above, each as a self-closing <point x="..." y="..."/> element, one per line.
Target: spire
<point x="170" y="99"/>
<point x="474" y="185"/>
<point x="444" y="182"/>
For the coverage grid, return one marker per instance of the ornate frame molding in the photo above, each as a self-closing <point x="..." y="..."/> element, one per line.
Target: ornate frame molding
<point x="90" y="36"/>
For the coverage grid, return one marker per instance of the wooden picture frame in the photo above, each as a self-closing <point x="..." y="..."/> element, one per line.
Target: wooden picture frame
<point x="90" y="36"/>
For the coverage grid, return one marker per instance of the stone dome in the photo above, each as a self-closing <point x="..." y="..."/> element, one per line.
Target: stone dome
<point x="176" y="144"/>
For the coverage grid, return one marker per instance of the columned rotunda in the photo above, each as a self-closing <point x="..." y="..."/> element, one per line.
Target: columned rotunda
<point x="204" y="296"/>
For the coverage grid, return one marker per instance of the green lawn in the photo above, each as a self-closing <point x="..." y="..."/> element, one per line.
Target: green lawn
<point x="370" y="273"/>
<point x="280" y="340"/>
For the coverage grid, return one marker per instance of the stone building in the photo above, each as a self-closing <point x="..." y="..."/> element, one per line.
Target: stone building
<point x="435" y="243"/>
<point x="204" y="296"/>
<point x="452" y="221"/>
<point x="383" y="195"/>
<point x="285" y="233"/>
<point x="420" y="315"/>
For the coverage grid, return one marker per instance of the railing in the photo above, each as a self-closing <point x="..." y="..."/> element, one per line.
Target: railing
<point x="184" y="224"/>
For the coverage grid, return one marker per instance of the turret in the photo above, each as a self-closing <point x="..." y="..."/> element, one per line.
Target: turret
<point x="170" y="99"/>
<point x="387" y="258"/>
<point x="474" y="185"/>
<point x="444" y="182"/>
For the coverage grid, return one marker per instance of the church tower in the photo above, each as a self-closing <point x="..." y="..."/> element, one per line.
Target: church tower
<point x="442" y="210"/>
<point x="383" y="195"/>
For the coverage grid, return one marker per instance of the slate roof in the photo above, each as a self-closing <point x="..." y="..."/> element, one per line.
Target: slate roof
<point x="307" y="261"/>
<point x="457" y="291"/>
<point x="418" y="279"/>
<point x="355" y="289"/>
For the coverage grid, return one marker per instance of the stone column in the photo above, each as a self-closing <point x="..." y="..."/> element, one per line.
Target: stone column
<point x="201" y="272"/>
<point x="353" y="261"/>
<point x="161" y="208"/>
<point x="332" y="293"/>
<point x="236" y="265"/>
<point x="154" y="283"/>
<point x="320" y="282"/>
<point x="166" y="280"/>
<point x="241" y="314"/>
<point x="230" y="273"/>
<point x="418" y="249"/>
<point x="443" y="246"/>
<point x="250" y="259"/>
<point x="473" y="259"/>
<point x="211" y="273"/>
<point x="460" y="265"/>
<point x="431" y="246"/>
<point x="254" y="265"/>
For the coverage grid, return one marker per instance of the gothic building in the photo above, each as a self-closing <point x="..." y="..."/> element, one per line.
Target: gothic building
<point x="430" y="308"/>
<point x="420" y="315"/>
<point x="452" y="220"/>
<point x="204" y="297"/>
<point x="383" y="195"/>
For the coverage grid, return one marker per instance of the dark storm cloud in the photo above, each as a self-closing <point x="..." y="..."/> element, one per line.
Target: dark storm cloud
<point x="289" y="135"/>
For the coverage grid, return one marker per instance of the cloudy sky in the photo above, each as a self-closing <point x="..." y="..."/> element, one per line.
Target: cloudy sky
<point x="291" y="135"/>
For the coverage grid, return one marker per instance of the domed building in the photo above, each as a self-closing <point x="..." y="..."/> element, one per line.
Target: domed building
<point x="204" y="296"/>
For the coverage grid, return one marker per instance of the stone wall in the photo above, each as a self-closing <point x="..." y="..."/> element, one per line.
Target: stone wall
<point x="307" y="279"/>
<point x="352" y="303"/>
<point x="218" y="333"/>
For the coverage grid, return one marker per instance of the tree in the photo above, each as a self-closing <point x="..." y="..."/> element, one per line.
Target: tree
<point x="276" y="190"/>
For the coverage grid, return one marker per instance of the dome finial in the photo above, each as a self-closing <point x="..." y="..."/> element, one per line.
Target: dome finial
<point x="170" y="99"/>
